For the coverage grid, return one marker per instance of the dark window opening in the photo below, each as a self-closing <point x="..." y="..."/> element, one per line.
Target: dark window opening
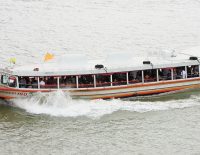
<point x="48" y="82"/>
<point x="165" y="74"/>
<point x="86" y="81"/>
<point x="68" y="82"/>
<point x="135" y="77"/>
<point x="193" y="71"/>
<point x="12" y="81"/>
<point x="103" y="80"/>
<point x="4" y="79"/>
<point x="119" y="79"/>
<point x="28" y="82"/>
<point x="150" y="75"/>
<point x="179" y="73"/>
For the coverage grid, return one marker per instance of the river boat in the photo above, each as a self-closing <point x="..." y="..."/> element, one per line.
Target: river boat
<point x="106" y="80"/>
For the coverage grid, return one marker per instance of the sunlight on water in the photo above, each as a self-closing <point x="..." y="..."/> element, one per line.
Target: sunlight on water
<point x="60" y="104"/>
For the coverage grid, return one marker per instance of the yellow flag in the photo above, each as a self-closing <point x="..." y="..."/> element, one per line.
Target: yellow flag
<point x="48" y="56"/>
<point x="12" y="60"/>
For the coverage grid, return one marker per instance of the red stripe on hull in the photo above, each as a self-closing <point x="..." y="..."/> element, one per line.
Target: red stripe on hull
<point x="148" y="92"/>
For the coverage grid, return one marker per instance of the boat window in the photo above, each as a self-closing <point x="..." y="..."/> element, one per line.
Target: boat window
<point x="68" y="82"/>
<point x="12" y="81"/>
<point x="86" y="81"/>
<point x="48" y="82"/>
<point x="135" y="77"/>
<point x="193" y="71"/>
<point x="4" y="79"/>
<point x="165" y="74"/>
<point x="103" y="80"/>
<point x="28" y="82"/>
<point x="119" y="79"/>
<point x="179" y="73"/>
<point x="150" y="75"/>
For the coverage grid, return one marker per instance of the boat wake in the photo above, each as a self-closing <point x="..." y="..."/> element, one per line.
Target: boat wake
<point x="60" y="104"/>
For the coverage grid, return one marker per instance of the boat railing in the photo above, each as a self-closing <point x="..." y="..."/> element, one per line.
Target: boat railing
<point x="22" y="85"/>
<point x="166" y="77"/>
<point x="135" y="81"/>
<point x="190" y="75"/>
<point x="49" y="86"/>
<point x="67" y="85"/>
<point x="86" y="85"/>
<point x="150" y="80"/>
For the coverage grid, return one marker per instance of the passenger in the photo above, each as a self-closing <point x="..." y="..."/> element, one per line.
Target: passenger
<point x="183" y="74"/>
<point x="42" y="83"/>
<point x="134" y="75"/>
<point x="174" y="74"/>
<point x="146" y="77"/>
<point x="12" y="82"/>
<point x="35" y="83"/>
<point x="22" y="83"/>
<point x="30" y="83"/>
<point x="115" y="82"/>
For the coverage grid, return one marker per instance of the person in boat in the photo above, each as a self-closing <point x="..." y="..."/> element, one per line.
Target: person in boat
<point x="30" y="81"/>
<point x="42" y="83"/>
<point x="22" y="83"/>
<point x="183" y="74"/>
<point x="174" y="73"/>
<point x="147" y="77"/>
<point x="12" y="82"/>
<point x="35" y="83"/>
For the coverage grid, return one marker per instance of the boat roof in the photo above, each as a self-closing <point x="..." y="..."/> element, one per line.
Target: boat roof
<point x="78" y="64"/>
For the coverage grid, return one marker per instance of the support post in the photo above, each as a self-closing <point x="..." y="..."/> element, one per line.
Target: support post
<point x="95" y="82"/>
<point x="127" y="79"/>
<point x="142" y="76"/>
<point x="77" y="82"/>
<point x="199" y="70"/>
<point x="186" y="76"/>
<point x="17" y="80"/>
<point x="38" y="80"/>
<point x="58" y="82"/>
<point x="111" y="80"/>
<point x="172" y="74"/>
<point x="157" y="75"/>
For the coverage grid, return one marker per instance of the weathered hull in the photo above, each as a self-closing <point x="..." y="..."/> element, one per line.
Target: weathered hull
<point x="109" y="92"/>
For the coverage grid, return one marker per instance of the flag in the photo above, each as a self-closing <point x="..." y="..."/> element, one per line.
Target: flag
<point x="12" y="60"/>
<point x="48" y="56"/>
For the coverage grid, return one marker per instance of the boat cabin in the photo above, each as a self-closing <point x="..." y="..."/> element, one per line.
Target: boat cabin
<point x="99" y="75"/>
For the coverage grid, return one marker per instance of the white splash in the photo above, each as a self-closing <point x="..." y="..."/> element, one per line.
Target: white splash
<point x="60" y="104"/>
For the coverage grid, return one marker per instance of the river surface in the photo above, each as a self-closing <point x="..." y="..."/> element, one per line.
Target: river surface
<point x="55" y="124"/>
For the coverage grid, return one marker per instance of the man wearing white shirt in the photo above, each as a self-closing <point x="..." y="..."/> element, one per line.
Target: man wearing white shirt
<point x="183" y="74"/>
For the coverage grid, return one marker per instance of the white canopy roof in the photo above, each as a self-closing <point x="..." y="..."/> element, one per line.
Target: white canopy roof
<point x="76" y="64"/>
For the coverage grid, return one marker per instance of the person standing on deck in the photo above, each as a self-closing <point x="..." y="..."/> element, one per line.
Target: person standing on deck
<point x="183" y="74"/>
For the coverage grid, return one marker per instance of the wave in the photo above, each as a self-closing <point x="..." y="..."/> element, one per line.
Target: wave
<point x="61" y="104"/>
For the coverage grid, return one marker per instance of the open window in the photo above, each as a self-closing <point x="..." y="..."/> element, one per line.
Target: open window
<point x="4" y="79"/>
<point x="179" y="73"/>
<point x="12" y="81"/>
<point x="193" y="71"/>
<point x="150" y="75"/>
<point x="119" y="79"/>
<point x="86" y="81"/>
<point x="68" y="82"/>
<point x="103" y="80"/>
<point x="28" y="82"/>
<point x="135" y="77"/>
<point x="165" y="74"/>
<point x="48" y="82"/>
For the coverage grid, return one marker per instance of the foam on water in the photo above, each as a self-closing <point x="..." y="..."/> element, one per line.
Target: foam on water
<point x="60" y="104"/>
